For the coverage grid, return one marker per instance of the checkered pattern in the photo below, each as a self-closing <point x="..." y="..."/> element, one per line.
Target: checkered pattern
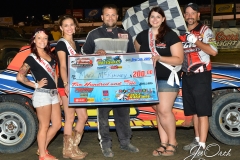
<point x="136" y="17"/>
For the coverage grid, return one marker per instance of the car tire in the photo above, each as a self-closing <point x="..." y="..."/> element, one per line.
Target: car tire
<point x="8" y="58"/>
<point x="17" y="99"/>
<point x="18" y="127"/>
<point x="225" y="119"/>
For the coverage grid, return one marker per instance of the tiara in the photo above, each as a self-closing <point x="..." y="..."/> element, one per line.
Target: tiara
<point x="37" y="33"/>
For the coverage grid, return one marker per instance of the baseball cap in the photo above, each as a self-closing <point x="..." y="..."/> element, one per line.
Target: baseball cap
<point x="194" y="6"/>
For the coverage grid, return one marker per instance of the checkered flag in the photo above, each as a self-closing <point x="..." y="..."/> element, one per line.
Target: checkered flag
<point x="136" y="18"/>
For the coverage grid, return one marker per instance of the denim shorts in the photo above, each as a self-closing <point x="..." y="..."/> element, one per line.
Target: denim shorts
<point x="163" y="86"/>
<point x="41" y="99"/>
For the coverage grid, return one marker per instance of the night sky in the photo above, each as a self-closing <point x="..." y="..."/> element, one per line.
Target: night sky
<point x="19" y="9"/>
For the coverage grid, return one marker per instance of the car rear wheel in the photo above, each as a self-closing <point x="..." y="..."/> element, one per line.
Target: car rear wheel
<point x="225" y="120"/>
<point x="8" y="58"/>
<point x="18" y="127"/>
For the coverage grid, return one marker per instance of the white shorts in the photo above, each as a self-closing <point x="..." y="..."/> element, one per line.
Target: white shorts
<point x="41" y="99"/>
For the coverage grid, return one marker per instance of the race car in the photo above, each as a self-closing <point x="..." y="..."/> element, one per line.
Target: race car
<point x="19" y="124"/>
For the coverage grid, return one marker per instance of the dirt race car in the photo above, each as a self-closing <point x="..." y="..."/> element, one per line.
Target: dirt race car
<point x="19" y="124"/>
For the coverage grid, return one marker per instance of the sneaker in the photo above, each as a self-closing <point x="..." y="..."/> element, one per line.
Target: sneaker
<point x="107" y="152"/>
<point x="130" y="148"/>
<point x="197" y="151"/>
<point x="191" y="145"/>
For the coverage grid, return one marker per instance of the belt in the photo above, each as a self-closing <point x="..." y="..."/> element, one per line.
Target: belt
<point x="52" y="92"/>
<point x="190" y="73"/>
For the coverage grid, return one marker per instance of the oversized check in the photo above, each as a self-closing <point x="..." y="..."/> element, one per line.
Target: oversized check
<point x="112" y="79"/>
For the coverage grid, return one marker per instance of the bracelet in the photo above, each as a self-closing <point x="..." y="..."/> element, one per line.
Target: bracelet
<point x="36" y="85"/>
<point x="65" y="83"/>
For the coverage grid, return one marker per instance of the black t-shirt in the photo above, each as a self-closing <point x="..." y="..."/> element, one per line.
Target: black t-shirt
<point x="61" y="46"/>
<point x="163" y="49"/>
<point x="39" y="72"/>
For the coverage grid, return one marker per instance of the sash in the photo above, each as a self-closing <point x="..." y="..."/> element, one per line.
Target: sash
<point x="46" y="66"/>
<point x="71" y="51"/>
<point x="173" y="70"/>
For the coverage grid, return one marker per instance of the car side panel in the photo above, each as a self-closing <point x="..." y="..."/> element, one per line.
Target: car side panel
<point x="142" y="116"/>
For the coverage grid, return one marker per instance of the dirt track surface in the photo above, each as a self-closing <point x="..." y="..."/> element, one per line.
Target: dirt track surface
<point x="145" y="140"/>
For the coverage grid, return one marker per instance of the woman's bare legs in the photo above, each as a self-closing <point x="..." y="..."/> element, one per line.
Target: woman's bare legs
<point x="165" y="119"/>
<point x="162" y="134"/>
<point x="79" y="127"/>
<point x="69" y="114"/>
<point x="82" y="118"/>
<point x="44" y="116"/>
<point x="56" y="123"/>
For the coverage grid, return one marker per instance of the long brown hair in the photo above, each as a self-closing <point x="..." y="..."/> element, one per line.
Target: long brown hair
<point x="163" y="29"/>
<point x="47" y="49"/>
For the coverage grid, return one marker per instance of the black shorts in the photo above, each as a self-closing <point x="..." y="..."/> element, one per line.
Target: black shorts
<point x="197" y="94"/>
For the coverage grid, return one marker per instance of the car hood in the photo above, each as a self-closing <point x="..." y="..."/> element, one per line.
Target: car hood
<point x="225" y="75"/>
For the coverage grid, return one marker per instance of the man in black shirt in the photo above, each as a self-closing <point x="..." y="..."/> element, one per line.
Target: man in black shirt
<point x="110" y="39"/>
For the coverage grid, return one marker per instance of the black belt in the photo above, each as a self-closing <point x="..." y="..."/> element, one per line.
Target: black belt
<point x="190" y="73"/>
<point x="52" y="92"/>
